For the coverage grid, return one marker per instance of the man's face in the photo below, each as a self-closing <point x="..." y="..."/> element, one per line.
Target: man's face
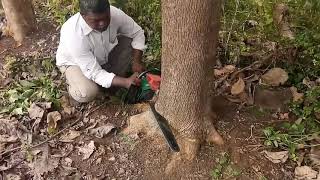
<point x="98" y="21"/>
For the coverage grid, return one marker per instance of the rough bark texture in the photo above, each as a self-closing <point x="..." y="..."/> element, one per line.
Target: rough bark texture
<point x="190" y="34"/>
<point x="20" y="17"/>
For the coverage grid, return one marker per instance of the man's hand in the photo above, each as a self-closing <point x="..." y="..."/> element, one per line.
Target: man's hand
<point x="125" y="82"/>
<point x="136" y="62"/>
<point x="137" y="67"/>
<point x="133" y="79"/>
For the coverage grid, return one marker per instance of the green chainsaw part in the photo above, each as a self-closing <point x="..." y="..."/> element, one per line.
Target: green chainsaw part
<point x="144" y="92"/>
<point x="144" y="84"/>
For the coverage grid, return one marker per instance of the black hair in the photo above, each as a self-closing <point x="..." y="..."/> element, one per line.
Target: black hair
<point x="94" y="6"/>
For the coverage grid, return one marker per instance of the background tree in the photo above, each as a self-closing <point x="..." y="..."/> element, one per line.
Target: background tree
<point x="189" y="39"/>
<point x="20" y="17"/>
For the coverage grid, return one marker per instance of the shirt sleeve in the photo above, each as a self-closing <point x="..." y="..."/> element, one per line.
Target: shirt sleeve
<point x="81" y="53"/>
<point x="129" y="28"/>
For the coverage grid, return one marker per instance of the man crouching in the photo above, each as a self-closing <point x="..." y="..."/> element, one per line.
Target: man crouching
<point x="97" y="46"/>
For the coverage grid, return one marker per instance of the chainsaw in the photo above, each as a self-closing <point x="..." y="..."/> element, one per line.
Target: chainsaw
<point x="149" y="84"/>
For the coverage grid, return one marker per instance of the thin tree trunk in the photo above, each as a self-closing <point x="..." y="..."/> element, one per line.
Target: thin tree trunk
<point x="20" y="17"/>
<point x="189" y="39"/>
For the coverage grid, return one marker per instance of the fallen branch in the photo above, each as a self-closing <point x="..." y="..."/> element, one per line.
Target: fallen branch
<point x="255" y="65"/>
<point x="3" y="51"/>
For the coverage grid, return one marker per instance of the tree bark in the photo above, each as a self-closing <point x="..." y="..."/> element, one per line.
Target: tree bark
<point x="189" y="39"/>
<point x="20" y="17"/>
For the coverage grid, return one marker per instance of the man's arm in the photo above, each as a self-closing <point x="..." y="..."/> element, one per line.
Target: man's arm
<point x="129" y="28"/>
<point x="124" y="82"/>
<point x="137" y="61"/>
<point x="84" y="58"/>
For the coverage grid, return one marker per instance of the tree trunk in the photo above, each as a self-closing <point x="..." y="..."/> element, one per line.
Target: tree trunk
<point x="189" y="39"/>
<point x="20" y="17"/>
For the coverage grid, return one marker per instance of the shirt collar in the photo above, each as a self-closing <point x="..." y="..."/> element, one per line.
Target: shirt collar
<point x="86" y="29"/>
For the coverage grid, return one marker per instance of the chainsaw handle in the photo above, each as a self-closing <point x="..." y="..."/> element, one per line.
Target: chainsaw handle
<point x="142" y="74"/>
<point x="147" y="71"/>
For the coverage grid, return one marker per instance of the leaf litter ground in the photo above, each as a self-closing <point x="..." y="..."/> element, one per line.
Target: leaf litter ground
<point x="95" y="148"/>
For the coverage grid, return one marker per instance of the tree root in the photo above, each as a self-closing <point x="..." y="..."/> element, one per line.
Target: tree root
<point x="142" y="123"/>
<point x="189" y="146"/>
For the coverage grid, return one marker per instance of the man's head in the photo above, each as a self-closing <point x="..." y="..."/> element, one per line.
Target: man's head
<point x="96" y="13"/>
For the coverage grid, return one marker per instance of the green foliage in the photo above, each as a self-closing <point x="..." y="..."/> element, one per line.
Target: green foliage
<point x="298" y="134"/>
<point x="18" y="98"/>
<point x="147" y="13"/>
<point x="33" y="82"/>
<point x="223" y="162"/>
<point x="224" y="168"/>
<point x="62" y="9"/>
<point x="305" y="20"/>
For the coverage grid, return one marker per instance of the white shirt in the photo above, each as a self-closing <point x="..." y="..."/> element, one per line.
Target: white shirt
<point x="89" y="49"/>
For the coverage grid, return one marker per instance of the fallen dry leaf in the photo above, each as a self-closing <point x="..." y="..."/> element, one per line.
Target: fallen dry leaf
<point x="305" y="173"/>
<point x="70" y="136"/>
<point x="14" y="160"/>
<point x="35" y="125"/>
<point x="35" y="112"/>
<point x="44" y="164"/>
<point x="310" y="84"/>
<point x="2" y="147"/>
<point x="45" y="105"/>
<point x="283" y="116"/>
<point x="275" y="77"/>
<point x="87" y="150"/>
<point x="8" y="131"/>
<point x="8" y="139"/>
<point x="12" y="177"/>
<point x="64" y="151"/>
<point x="101" y="131"/>
<point x="281" y="20"/>
<point x="98" y="161"/>
<point x="296" y="96"/>
<point x="225" y="70"/>
<point x="52" y="120"/>
<point x="238" y="87"/>
<point x="315" y="155"/>
<point x="277" y="157"/>
<point x="67" y="162"/>
<point x="112" y="159"/>
<point x="65" y="104"/>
